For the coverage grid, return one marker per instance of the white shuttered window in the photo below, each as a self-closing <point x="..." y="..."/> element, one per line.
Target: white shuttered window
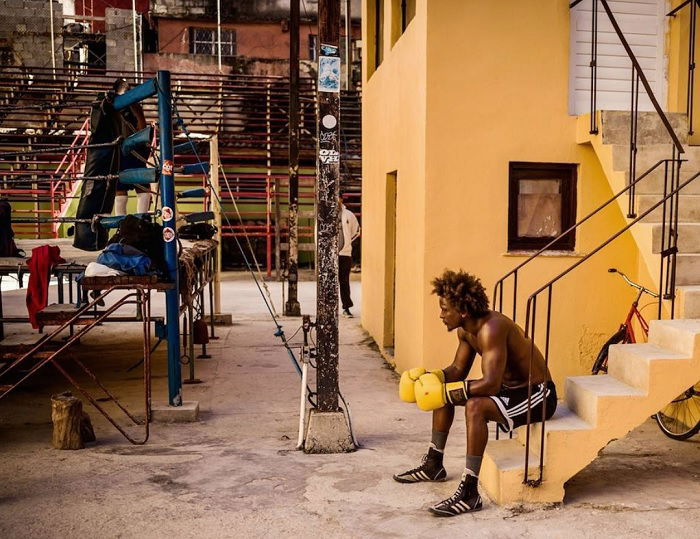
<point x="643" y="22"/>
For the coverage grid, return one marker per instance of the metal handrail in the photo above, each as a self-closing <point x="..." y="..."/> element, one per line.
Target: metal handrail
<point x="669" y="221"/>
<point x="498" y="287"/>
<point x="691" y="56"/>
<point x="613" y="237"/>
<point x="75" y="157"/>
<point x="531" y="311"/>
<point x="636" y="68"/>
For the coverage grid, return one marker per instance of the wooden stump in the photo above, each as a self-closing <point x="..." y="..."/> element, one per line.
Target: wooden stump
<point x="71" y="426"/>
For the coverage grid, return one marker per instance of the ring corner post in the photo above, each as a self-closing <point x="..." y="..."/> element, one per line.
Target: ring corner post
<point x="167" y="190"/>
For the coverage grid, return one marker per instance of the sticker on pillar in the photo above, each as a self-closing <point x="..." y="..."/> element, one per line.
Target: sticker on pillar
<point x="168" y="167"/>
<point x="328" y="50"/>
<point x="328" y="136"/>
<point x="329" y="121"/>
<point x="328" y="156"/>
<point x="329" y="74"/>
<point x="168" y="234"/>
<point x="166" y="213"/>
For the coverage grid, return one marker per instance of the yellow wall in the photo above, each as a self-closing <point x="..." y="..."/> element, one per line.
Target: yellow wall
<point x="394" y="108"/>
<point x="677" y="47"/>
<point x="469" y="87"/>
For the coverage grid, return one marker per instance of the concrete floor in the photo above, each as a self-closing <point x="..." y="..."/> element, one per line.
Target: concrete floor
<point x="236" y="472"/>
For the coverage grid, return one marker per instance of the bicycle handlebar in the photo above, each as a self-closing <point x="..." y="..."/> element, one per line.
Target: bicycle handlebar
<point x="633" y="284"/>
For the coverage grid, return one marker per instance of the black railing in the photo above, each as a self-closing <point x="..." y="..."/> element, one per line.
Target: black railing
<point x="692" y="31"/>
<point x="669" y="203"/>
<point x="638" y="78"/>
<point x="500" y="284"/>
<point x="531" y="306"/>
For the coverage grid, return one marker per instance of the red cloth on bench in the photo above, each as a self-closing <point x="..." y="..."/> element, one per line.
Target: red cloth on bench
<point x="43" y="259"/>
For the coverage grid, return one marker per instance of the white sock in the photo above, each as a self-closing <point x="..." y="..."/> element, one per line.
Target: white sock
<point x="120" y="204"/>
<point x="435" y="448"/>
<point x="473" y="465"/>
<point x="143" y="202"/>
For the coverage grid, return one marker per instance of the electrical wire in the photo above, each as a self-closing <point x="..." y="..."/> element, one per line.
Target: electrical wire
<point x="279" y="331"/>
<point x="60" y="149"/>
<point x="45" y="106"/>
<point x="245" y="233"/>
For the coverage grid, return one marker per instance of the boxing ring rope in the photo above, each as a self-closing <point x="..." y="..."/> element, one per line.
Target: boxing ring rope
<point x="171" y="285"/>
<point x="279" y="331"/>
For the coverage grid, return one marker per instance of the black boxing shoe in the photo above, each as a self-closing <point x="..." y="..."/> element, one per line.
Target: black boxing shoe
<point x="465" y="500"/>
<point x="430" y="469"/>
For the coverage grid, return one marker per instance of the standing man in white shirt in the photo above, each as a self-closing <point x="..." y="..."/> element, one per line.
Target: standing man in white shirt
<point x="349" y="232"/>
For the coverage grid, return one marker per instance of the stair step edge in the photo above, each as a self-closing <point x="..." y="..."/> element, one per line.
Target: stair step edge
<point x="605" y="386"/>
<point x="509" y="455"/>
<point x="679" y="334"/>
<point x="646" y="352"/>
<point x="563" y="420"/>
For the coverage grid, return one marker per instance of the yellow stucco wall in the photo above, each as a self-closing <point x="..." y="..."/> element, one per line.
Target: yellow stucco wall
<point x="677" y="43"/>
<point x="395" y="109"/>
<point x="468" y="88"/>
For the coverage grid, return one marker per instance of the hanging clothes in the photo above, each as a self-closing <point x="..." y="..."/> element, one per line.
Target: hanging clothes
<point x="42" y="261"/>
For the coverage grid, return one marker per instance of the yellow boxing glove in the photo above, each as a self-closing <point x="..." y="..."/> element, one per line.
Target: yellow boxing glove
<point x="431" y="392"/>
<point x="408" y="380"/>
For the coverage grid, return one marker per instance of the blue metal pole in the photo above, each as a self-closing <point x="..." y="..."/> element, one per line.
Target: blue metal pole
<point x="136" y="94"/>
<point x="167" y="193"/>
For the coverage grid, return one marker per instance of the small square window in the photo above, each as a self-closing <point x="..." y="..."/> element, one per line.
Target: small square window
<point x="204" y="41"/>
<point x="542" y="205"/>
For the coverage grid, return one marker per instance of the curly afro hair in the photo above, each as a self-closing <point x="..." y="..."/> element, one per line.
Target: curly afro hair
<point x="464" y="292"/>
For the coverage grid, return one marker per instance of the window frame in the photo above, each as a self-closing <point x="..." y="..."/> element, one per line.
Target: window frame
<point x="378" y="33"/>
<point x="225" y="33"/>
<point x="408" y="13"/>
<point x="567" y="173"/>
<point x="313" y="47"/>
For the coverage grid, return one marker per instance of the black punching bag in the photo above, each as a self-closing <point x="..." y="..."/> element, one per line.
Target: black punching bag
<point x="97" y="197"/>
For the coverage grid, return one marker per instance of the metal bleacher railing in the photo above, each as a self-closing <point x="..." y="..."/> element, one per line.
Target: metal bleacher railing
<point x="249" y="115"/>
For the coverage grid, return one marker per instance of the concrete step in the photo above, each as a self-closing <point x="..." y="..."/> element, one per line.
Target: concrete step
<point x="615" y="127"/>
<point x="653" y="183"/>
<point x="593" y="398"/>
<point x="688" y="238"/>
<point x="503" y="471"/>
<point x="637" y="364"/>
<point x="649" y="154"/>
<point x="598" y="409"/>
<point x="688" y="301"/>
<point x="687" y="269"/>
<point x="682" y="336"/>
<point x="688" y="208"/>
<point x="563" y="422"/>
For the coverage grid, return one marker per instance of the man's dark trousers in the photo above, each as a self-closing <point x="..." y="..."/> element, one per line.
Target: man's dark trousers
<point x="344" y="265"/>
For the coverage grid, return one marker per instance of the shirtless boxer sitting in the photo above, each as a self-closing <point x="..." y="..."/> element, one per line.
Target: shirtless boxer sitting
<point x="500" y="395"/>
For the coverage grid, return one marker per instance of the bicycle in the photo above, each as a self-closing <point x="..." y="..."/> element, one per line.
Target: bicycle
<point x="625" y="334"/>
<point x="680" y="419"/>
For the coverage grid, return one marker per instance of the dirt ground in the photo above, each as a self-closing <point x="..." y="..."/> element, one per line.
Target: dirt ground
<point x="236" y="473"/>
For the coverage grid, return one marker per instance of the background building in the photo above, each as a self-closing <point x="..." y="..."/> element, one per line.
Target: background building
<point x="167" y="34"/>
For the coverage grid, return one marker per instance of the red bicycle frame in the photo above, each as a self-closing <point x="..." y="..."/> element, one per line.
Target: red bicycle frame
<point x="634" y="313"/>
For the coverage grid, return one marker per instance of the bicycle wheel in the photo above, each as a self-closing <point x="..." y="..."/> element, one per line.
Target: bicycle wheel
<point x="601" y="362"/>
<point x="680" y="419"/>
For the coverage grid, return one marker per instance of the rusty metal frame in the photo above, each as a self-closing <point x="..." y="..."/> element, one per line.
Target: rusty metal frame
<point x="141" y="294"/>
